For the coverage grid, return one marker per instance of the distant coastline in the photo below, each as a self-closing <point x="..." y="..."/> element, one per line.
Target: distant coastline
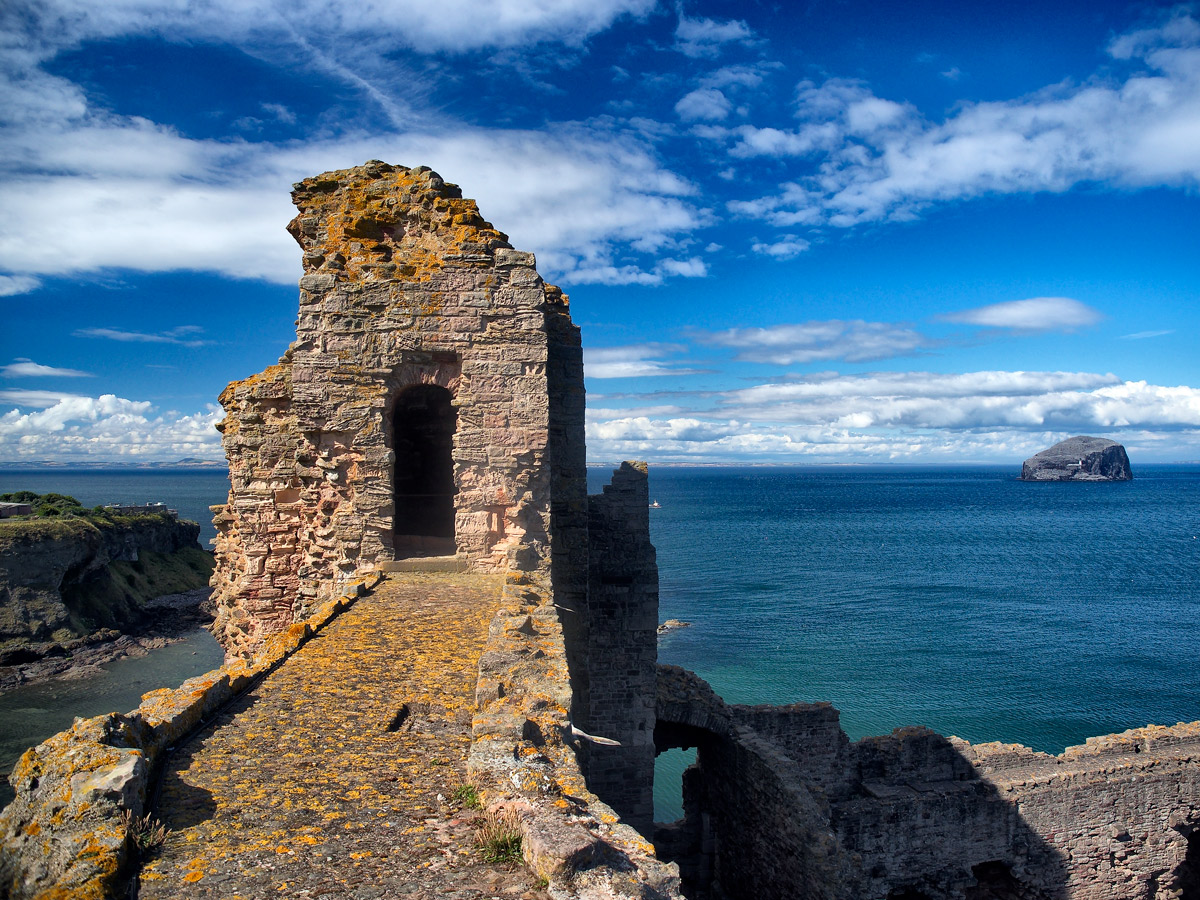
<point x="44" y="465"/>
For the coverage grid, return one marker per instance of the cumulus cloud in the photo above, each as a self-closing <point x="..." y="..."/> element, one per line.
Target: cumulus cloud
<point x="579" y="195"/>
<point x="700" y="37"/>
<point x="785" y="247"/>
<point x="1035" y="314"/>
<point x="983" y="416"/>
<point x="633" y="360"/>
<point x="877" y="159"/>
<point x="703" y="103"/>
<point x="852" y="341"/>
<point x="103" y="428"/>
<point x="27" y="368"/>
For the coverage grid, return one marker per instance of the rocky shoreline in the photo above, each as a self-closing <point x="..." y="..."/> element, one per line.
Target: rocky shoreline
<point x="164" y="620"/>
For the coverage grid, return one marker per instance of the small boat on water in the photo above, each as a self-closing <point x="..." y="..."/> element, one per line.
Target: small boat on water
<point x="655" y="505"/>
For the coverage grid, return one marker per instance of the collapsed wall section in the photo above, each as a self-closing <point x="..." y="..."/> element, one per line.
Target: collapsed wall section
<point x="919" y="816"/>
<point x="410" y="417"/>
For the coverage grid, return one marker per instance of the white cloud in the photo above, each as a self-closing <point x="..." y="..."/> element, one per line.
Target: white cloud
<point x="1142" y="335"/>
<point x="692" y="267"/>
<point x="632" y="361"/>
<point x="36" y="399"/>
<point x="11" y="285"/>
<point x="454" y="25"/>
<point x="907" y="416"/>
<point x="27" y="368"/>
<point x="786" y="247"/>
<point x="104" y="428"/>
<point x="574" y="196"/>
<point x="853" y="341"/>
<point x="753" y="141"/>
<point x="703" y="103"/>
<point x="578" y="195"/>
<point x="880" y="160"/>
<point x="1035" y="314"/>
<point x="700" y="37"/>
<point x="740" y="76"/>
<point x="178" y="335"/>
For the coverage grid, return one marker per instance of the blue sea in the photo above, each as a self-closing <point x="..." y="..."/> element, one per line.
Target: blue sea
<point x="957" y="598"/>
<point x="190" y="491"/>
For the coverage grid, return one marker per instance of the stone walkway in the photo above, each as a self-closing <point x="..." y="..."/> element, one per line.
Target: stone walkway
<point x="339" y="775"/>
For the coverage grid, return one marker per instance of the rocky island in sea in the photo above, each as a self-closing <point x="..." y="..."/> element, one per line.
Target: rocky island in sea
<point x="1079" y="458"/>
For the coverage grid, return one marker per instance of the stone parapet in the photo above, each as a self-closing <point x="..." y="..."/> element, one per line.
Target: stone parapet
<point x="524" y="757"/>
<point x="67" y="832"/>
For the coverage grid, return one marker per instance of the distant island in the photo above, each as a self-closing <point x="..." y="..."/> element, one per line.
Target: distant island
<point x="1080" y="458"/>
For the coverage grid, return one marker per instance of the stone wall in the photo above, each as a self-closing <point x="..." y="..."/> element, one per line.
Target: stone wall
<point x="917" y="815"/>
<point x="405" y="285"/>
<point x="622" y="646"/>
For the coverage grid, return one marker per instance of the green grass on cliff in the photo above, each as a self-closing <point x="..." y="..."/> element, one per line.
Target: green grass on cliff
<point x="29" y="529"/>
<point x="113" y="600"/>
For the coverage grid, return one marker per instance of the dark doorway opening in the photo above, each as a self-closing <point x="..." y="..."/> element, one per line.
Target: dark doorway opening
<point x="1187" y="875"/>
<point x="423" y="423"/>
<point x="994" y="881"/>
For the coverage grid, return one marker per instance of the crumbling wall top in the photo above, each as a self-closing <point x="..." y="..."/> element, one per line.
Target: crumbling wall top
<point x="376" y="222"/>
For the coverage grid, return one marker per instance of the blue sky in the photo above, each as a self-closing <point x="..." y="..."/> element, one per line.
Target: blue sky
<point x="810" y="233"/>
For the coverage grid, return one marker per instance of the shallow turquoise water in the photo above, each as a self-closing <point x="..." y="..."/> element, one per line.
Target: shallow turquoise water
<point x="961" y="599"/>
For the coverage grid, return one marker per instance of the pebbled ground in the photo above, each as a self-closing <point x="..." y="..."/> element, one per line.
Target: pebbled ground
<point x="337" y="775"/>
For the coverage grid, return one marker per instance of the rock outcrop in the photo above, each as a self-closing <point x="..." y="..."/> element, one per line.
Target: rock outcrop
<point x="63" y="578"/>
<point x="1079" y="458"/>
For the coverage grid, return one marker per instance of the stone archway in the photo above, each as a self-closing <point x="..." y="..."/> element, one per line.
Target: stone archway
<point x="423" y="425"/>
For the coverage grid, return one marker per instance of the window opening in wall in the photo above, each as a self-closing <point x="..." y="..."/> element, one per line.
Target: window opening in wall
<point x="423" y="423"/>
<point x="668" y="783"/>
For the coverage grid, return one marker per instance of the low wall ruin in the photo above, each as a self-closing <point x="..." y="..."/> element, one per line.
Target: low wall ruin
<point x="781" y="803"/>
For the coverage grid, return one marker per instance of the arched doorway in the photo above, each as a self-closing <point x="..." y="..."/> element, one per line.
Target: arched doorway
<point x="423" y="422"/>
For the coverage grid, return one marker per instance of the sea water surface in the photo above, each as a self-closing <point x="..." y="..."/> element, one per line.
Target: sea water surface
<point x="953" y="597"/>
<point x="957" y="598"/>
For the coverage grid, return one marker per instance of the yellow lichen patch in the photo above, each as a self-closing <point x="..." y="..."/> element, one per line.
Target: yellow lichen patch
<point x="326" y="763"/>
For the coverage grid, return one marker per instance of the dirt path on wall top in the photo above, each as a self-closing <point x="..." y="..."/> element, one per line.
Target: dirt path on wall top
<point x="337" y="776"/>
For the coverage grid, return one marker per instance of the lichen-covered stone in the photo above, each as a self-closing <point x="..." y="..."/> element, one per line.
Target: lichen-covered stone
<point x="405" y="285"/>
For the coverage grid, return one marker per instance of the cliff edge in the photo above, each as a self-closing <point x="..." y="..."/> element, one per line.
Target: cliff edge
<point x="1079" y="458"/>
<point x="63" y="578"/>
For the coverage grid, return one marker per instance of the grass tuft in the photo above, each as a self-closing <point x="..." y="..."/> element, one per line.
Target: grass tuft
<point x="498" y="837"/>
<point x="467" y="795"/>
<point x="146" y="833"/>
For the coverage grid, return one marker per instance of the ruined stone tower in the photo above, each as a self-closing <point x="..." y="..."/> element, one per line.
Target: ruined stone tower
<point x="432" y="405"/>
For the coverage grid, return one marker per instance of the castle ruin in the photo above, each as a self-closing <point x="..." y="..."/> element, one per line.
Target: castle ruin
<point x="432" y="406"/>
